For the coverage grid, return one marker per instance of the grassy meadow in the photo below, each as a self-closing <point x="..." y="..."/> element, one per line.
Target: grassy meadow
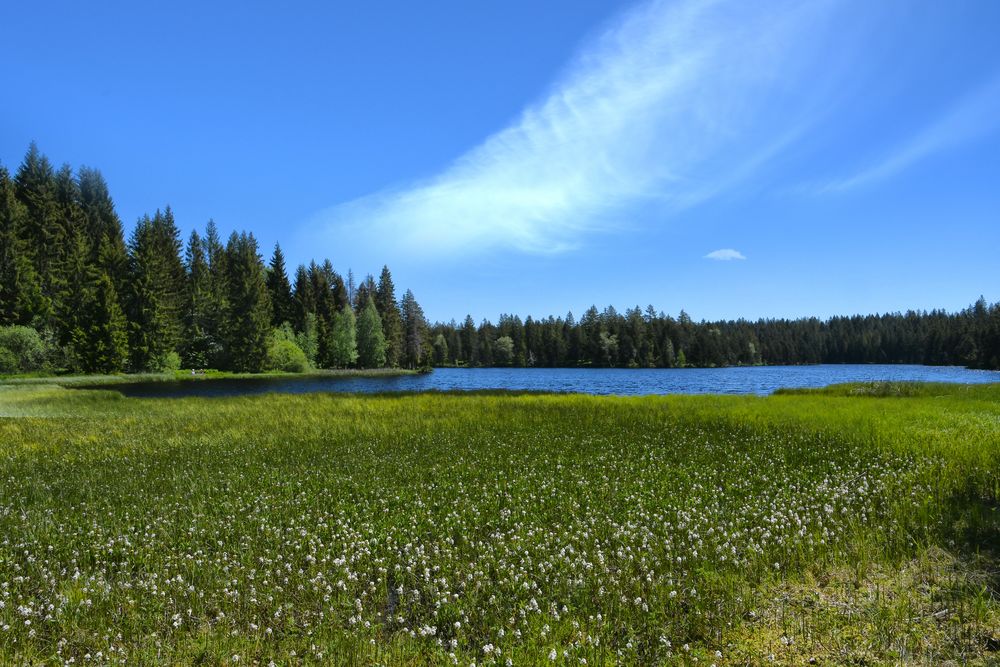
<point x="852" y="525"/>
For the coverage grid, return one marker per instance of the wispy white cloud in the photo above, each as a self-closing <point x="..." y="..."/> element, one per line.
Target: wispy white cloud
<point x="725" y="255"/>
<point x="975" y="115"/>
<point x="669" y="106"/>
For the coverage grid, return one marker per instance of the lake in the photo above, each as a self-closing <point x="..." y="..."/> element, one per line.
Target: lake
<point x="619" y="381"/>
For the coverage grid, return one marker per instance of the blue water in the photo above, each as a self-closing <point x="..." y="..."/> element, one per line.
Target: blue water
<point x="629" y="382"/>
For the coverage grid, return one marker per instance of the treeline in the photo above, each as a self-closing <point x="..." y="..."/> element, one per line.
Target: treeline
<point x="74" y="295"/>
<point x="650" y="339"/>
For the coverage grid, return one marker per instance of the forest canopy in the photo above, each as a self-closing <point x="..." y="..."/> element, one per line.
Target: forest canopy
<point x="76" y="296"/>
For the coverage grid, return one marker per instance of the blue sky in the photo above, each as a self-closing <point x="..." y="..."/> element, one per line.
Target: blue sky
<point x="734" y="159"/>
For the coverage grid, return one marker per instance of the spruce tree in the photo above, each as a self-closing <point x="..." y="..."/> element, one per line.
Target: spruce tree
<point x="338" y="288"/>
<point x="322" y="296"/>
<point x="198" y="345"/>
<point x="283" y="308"/>
<point x="21" y="300"/>
<point x="42" y="234"/>
<point x="10" y="215"/>
<point x="148" y="315"/>
<point x="167" y="241"/>
<point x="388" y="310"/>
<point x="218" y="290"/>
<point x="304" y="303"/>
<point x="365" y="293"/>
<point x="100" y="340"/>
<point x="249" y="304"/>
<point x="371" y="340"/>
<point x="74" y="301"/>
<point x="103" y="227"/>
<point x="416" y="346"/>
<point x="71" y="263"/>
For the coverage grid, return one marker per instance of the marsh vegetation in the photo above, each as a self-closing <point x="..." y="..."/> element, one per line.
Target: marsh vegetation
<point x="856" y="523"/>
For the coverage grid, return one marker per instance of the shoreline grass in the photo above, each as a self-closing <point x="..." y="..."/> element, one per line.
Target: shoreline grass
<point x="187" y="376"/>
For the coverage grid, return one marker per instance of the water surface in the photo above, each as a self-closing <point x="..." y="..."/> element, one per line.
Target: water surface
<point x="626" y="382"/>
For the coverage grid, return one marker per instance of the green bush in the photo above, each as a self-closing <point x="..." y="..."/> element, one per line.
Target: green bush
<point x="22" y="350"/>
<point x="284" y="355"/>
<point x="165" y="363"/>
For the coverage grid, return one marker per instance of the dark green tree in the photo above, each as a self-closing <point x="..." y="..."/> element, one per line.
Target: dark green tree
<point x="71" y="280"/>
<point x="470" y="341"/>
<point x="392" y="324"/>
<point x="103" y="227"/>
<point x="249" y="322"/>
<point x="100" y="338"/>
<point x="43" y="234"/>
<point x="155" y="301"/>
<point x="416" y="346"/>
<point x="282" y="305"/>
<point x="304" y="302"/>
<point x="218" y="294"/>
<point x="365" y="293"/>
<point x="200" y="345"/>
<point x="21" y="300"/>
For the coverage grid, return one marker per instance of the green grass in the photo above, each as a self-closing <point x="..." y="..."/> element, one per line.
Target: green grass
<point x="856" y="524"/>
<point x="186" y="376"/>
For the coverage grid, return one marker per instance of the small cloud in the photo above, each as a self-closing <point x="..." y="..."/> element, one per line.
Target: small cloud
<point x="725" y="254"/>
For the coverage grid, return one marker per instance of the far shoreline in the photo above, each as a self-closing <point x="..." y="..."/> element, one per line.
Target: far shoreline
<point x="200" y="376"/>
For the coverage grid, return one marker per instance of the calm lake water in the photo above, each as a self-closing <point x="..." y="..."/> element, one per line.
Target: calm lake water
<point x="628" y="382"/>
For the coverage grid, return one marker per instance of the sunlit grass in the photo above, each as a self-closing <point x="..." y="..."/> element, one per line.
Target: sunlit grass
<point x="535" y="529"/>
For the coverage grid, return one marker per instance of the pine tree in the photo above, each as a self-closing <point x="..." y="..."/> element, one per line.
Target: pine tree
<point x="371" y="340"/>
<point x="388" y="310"/>
<point x="283" y="308"/>
<point x="249" y="304"/>
<point x="343" y="335"/>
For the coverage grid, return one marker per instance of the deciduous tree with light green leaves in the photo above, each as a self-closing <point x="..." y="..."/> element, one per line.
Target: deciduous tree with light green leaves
<point x="343" y="339"/>
<point x="371" y="340"/>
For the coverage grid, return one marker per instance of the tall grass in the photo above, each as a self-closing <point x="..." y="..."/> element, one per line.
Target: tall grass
<point x="495" y="529"/>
